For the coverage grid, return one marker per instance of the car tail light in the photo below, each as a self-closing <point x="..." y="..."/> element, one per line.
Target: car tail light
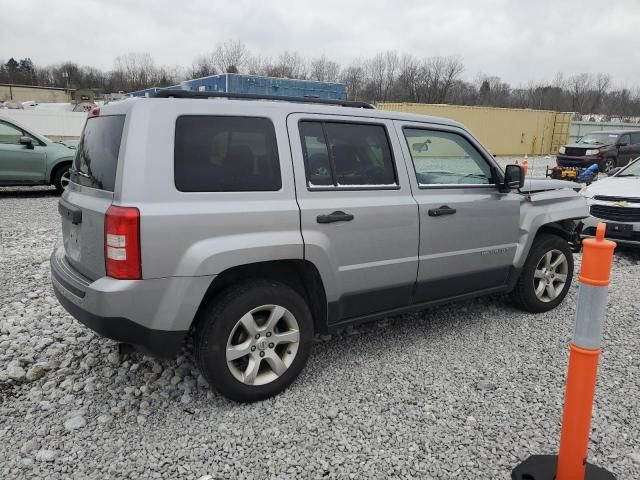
<point x="94" y="112"/>
<point x="122" y="243"/>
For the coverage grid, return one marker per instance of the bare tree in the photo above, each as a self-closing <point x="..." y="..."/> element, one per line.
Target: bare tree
<point x="289" y="65"/>
<point x="230" y="56"/>
<point x="354" y="78"/>
<point x="135" y="71"/>
<point x="203" y="66"/>
<point x="324" y="70"/>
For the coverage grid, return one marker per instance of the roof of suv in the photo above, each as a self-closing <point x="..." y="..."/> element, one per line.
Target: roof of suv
<point x="124" y="106"/>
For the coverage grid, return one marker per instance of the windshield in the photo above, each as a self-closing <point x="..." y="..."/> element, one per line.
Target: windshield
<point x="599" y="139"/>
<point x="632" y="170"/>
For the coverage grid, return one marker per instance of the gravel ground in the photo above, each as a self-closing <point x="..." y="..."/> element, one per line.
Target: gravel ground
<point x="463" y="391"/>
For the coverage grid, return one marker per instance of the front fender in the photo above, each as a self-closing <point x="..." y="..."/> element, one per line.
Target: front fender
<point x="543" y="208"/>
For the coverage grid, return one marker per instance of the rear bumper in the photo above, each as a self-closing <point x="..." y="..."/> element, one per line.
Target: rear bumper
<point x="153" y="315"/>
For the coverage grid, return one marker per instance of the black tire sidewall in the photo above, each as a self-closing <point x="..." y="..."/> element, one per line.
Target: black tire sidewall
<point x="58" y="176"/>
<point x="218" y="322"/>
<point x="540" y="247"/>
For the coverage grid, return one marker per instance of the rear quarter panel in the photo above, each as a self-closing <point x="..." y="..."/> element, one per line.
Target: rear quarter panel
<point x="202" y="233"/>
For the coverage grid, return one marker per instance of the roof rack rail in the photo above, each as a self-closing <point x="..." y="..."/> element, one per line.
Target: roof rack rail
<point x="252" y="96"/>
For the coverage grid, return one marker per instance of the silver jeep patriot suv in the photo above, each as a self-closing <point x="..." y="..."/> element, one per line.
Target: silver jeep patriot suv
<point x="257" y="223"/>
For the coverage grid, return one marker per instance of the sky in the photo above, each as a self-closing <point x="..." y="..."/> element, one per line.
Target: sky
<point x="519" y="41"/>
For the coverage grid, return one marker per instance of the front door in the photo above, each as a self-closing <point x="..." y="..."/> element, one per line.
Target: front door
<point x="19" y="164"/>
<point x="468" y="229"/>
<point x="359" y="220"/>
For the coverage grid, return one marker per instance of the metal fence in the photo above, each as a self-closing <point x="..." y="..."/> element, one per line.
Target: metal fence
<point x="580" y="129"/>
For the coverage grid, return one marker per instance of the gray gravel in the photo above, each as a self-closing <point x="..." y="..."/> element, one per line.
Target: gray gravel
<point x="461" y="391"/>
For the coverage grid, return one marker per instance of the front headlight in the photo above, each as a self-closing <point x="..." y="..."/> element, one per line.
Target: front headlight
<point x="562" y="150"/>
<point x="594" y="151"/>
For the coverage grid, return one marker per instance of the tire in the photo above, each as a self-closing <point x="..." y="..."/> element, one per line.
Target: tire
<point x="608" y="164"/>
<point x="61" y="178"/>
<point x="538" y="270"/>
<point x="221" y="332"/>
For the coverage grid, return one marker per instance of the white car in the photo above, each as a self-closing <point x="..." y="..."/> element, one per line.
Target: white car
<point x="616" y="201"/>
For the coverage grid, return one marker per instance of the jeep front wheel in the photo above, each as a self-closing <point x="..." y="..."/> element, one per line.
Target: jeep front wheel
<point x="253" y="340"/>
<point x="546" y="275"/>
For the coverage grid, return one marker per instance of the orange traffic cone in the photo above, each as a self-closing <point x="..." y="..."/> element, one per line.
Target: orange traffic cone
<point x="584" y="350"/>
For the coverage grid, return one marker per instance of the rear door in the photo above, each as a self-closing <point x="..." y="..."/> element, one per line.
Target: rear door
<point x="18" y="163"/>
<point x="359" y="220"/>
<point x="468" y="229"/>
<point x="90" y="193"/>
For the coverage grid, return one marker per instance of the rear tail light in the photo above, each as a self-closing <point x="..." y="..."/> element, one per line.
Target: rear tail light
<point x="122" y="243"/>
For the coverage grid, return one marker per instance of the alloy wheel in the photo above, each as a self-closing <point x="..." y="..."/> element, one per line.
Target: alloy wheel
<point x="65" y="179"/>
<point x="550" y="275"/>
<point x="262" y="345"/>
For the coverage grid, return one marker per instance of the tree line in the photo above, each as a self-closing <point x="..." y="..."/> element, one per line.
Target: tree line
<point x="385" y="77"/>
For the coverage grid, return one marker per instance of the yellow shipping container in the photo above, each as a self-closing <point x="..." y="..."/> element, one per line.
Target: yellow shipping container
<point x="504" y="131"/>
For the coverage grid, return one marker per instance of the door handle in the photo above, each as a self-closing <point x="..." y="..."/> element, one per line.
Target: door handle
<point x="337" y="216"/>
<point x="443" y="210"/>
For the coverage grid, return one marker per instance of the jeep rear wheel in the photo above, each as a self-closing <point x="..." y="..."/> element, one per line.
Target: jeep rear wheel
<point x="253" y="340"/>
<point x="546" y="276"/>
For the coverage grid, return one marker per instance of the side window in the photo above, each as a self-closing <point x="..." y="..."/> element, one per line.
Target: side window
<point x="347" y="154"/>
<point x="9" y="134"/>
<point x="226" y="154"/>
<point x="316" y="154"/>
<point x="624" y="139"/>
<point x="445" y="158"/>
<point x="635" y="138"/>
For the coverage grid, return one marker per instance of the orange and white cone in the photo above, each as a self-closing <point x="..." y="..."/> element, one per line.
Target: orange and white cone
<point x="584" y="350"/>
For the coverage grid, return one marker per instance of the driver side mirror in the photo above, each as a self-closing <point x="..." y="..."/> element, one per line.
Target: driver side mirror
<point x="622" y="144"/>
<point x="513" y="177"/>
<point x="27" y="142"/>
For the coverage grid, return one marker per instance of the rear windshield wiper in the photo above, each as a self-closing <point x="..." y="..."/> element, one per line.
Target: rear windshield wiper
<point x="627" y="175"/>
<point x="78" y="172"/>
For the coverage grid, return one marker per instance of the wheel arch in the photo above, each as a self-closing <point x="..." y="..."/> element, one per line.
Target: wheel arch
<point x="301" y="275"/>
<point x="64" y="162"/>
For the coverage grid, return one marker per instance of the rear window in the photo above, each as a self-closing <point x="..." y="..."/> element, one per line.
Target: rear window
<point x="226" y="154"/>
<point x="97" y="153"/>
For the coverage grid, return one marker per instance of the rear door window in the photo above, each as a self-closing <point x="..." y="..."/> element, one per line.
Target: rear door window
<point x="226" y="154"/>
<point x="635" y="138"/>
<point x="97" y="153"/>
<point x="342" y="154"/>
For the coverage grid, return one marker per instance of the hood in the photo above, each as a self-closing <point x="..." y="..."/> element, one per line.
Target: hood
<point x="615" y="187"/>
<point x="544" y="184"/>
<point x="588" y="145"/>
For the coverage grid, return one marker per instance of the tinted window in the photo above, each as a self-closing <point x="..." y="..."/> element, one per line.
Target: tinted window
<point x="226" y="154"/>
<point x="97" y="153"/>
<point x="347" y="154"/>
<point x="635" y="138"/>
<point x="624" y="139"/>
<point x="9" y="134"/>
<point x="316" y="154"/>
<point x="443" y="158"/>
